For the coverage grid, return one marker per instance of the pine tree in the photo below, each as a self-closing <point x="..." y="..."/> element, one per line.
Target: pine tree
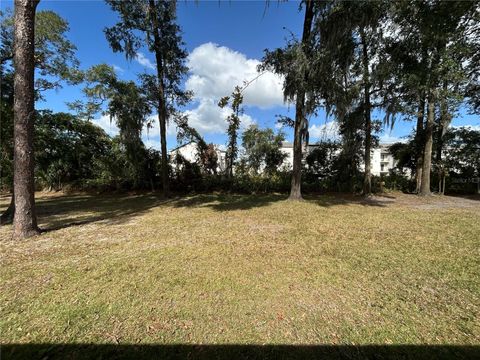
<point x="156" y="20"/>
<point x="25" y="218"/>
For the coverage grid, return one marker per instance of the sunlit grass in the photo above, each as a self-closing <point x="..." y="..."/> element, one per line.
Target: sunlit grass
<point x="217" y="269"/>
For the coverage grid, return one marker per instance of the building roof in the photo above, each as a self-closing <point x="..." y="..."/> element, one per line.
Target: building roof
<point x="181" y="146"/>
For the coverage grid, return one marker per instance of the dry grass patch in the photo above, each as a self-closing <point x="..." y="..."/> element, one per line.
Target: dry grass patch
<point x="223" y="269"/>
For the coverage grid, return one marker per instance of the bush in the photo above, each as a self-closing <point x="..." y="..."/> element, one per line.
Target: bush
<point x="396" y="180"/>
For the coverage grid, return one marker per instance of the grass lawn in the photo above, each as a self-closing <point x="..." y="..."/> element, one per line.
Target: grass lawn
<point x="227" y="269"/>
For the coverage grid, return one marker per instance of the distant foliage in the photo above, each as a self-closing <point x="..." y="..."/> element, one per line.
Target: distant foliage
<point x="262" y="150"/>
<point x="233" y="121"/>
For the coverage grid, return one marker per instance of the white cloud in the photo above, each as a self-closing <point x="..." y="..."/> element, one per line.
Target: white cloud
<point x="152" y="144"/>
<point x="328" y="130"/>
<point x="469" y="127"/>
<point x="211" y="119"/>
<point x="154" y="127"/>
<point x="150" y="135"/>
<point x="107" y="125"/>
<point x="144" y="61"/>
<point x="215" y="71"/>
<point x="118" y="69"/>
<point x="390" y="139"/>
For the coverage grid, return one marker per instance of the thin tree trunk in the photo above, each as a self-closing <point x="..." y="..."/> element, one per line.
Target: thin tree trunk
<point x="443" y="124"/>
<point x="152" y="186"/>
<point x="162" y="116"/>
<point x="427" y="153"/>
<point x="438" y="158"/>
<point x="295" y="190"/>
<point x="367" y="180"/>
<point x="419" y="143"/>
<point x="25" y="218"/>
<point x="163" y="141"/>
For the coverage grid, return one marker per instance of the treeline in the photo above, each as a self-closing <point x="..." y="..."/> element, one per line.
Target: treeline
<point x="415" y="60"/>
<point x="74" y="154"/>
<point x="408" y="60"/>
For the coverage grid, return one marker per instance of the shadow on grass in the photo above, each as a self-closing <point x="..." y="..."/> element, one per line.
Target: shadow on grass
<point x="475" y="197"/>
<point x="328" y="200"/>
<point x="61" y="212"/>
<point x="228" y="202"/>
<point x="92" y="351"/>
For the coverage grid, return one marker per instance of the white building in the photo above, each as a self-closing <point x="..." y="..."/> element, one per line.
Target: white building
<point x="189" y="152"/>
<point x="381" y="159"/>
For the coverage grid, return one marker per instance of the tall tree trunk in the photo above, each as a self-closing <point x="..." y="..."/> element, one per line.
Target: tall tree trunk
<point x="367" y="180"/>
<point x="438" y="157"/>
<point x="442" y="126"/>
<point x="163" y="142"/>
<point x="427" y="153"/>
<point x="295" y="189"/>
<point x="25" y="218"/>
<point x="419" y="144"/>
<point x="162" y="108"/>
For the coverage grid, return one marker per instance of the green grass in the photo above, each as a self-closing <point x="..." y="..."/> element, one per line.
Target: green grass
<point x="226" y="269"/>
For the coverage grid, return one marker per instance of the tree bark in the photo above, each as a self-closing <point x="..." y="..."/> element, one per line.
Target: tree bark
<point x="427" y="153"/>
<point x="162" y="108"/>
<point x="367" y="180"/>
<point x="296" y="190"/>
<point x="419" y="143"/>
<point x="25" y="218"/>
<point x="296" y="184"/>
<point x="442" y="126"/>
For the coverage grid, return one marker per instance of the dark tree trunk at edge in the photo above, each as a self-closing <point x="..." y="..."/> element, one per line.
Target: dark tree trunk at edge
<point x="296" y="184"/>
<point x="25" y="218"/>
<point x="419" y="143"/>
<point x="443" y="124"/>
<point x="367" y="180"/>
<point x="162" y="116"/>
<point x="427" y="153"/>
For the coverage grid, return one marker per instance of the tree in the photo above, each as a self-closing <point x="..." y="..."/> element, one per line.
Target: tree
<point x="351" y="37"/>
<point x="472" y="36"/>
<point x="207" y="153"/>
<point x="433" y="42"/>
<point x="321" y="163"/>
<point x="25" y="218"/>
<point x="67" y="149"/>
<point x="295" y="63"/>
<point x="233" y="121"/>
<point x="126" y="104"/>
<point x="157" y="21"/>
<point x="262" y="149"/>
<point x="462" y="156"/>
<point x="404" y="155"/>
<point x="55" y="61"/>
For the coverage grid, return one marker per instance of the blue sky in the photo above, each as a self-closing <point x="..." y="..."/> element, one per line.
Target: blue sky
<point x="225" y="41"/>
